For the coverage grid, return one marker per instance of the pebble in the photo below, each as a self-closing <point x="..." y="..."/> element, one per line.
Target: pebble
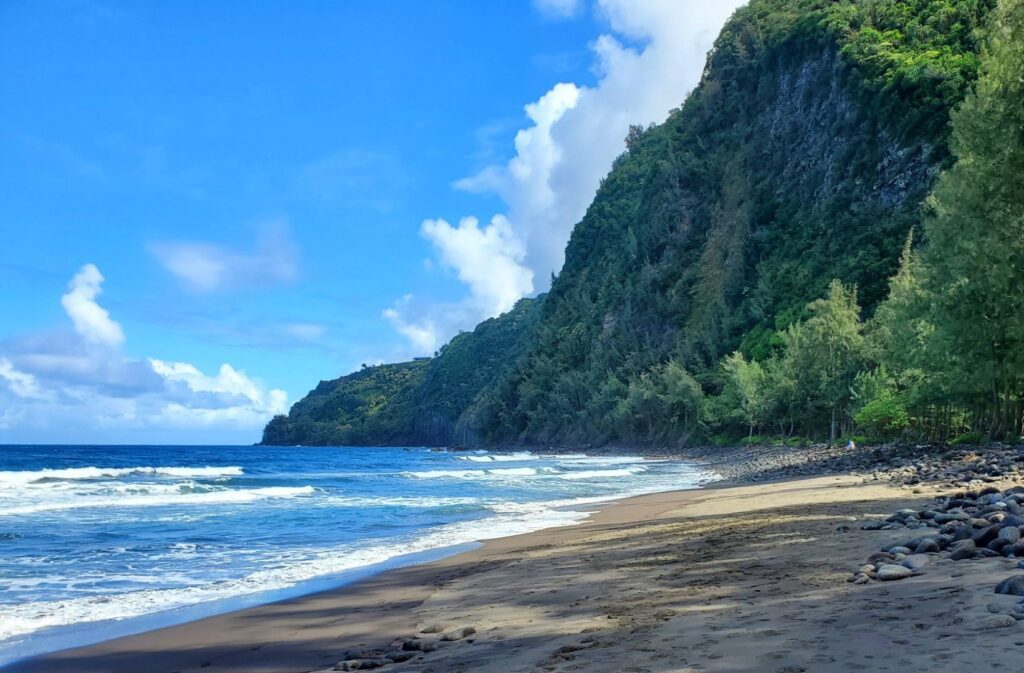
<point x="997" y="622"/>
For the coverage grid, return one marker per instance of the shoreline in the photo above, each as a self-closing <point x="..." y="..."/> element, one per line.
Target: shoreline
<point x="750" y="576"/>
<point x="88" y="635"/>
<point x="404" y="575"/>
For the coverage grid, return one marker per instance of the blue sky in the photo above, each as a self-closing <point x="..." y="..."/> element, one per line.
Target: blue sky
<point x="282" y="189"/>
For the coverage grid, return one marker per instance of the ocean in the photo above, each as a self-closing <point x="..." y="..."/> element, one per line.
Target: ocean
<point x="102" y="541"/>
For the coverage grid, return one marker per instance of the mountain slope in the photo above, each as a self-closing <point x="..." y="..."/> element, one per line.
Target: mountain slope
<point x="418" y="402"/>
<point x="803" y="156"/>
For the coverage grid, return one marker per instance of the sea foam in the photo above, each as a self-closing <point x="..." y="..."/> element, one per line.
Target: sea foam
<point x="18" y="477"/>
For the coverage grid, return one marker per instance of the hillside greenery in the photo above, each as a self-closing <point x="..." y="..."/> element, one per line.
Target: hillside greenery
<point x="418" y="402"/>
<point x="827" y="238"/>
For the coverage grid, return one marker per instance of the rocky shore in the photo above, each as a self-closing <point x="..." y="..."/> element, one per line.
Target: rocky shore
<point x="907" y="465"/>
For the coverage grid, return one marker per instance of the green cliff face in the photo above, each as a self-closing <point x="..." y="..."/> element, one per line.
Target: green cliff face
<point x="803" y="156"/>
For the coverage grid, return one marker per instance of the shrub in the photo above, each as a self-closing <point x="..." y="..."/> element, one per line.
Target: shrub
<point x="968" y="438"/>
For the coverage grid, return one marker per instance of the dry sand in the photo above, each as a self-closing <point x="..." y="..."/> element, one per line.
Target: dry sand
<point x="742" y="578"/>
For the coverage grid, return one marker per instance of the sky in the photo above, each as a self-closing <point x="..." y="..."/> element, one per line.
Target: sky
<point x="207" y="208"/>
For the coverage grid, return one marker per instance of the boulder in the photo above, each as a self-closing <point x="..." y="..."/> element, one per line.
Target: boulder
<point x="962" y="550"/>
<point x="888" y="572"/>
<point x="1013" y="586"/>
<point x="985" y="535"/>
<point x="915" y="561"/>
<point x="927" y="546"/>
<point x="1009" y="533"/>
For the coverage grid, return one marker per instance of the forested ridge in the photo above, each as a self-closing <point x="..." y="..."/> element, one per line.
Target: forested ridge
<point x="826" y="239"/>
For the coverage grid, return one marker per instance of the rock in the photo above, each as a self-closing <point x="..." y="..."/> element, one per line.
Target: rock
<point x="962" y="550"/>
<point x="412" y="645"/>
<point x="895" y="551"/>
<point x="361" y="664"/>
<point x="927" y="546"/>
<point x="359" y="653"/>
<point x="399" y="656"/>
<point x="985" y="535"/>
<point x="998" y="544"/>
<point x="1010" y="534"/>
<point x="889" y="571"/>
<point x="880" y="557"/>
<point x="861" y="579"/>
<point x="459" y="633"/>
<point x="963" y="532"/>
<point x="997" y="622"/>
<point x="994" y="608"/>
<point x="1013" y="586"/>
<point x="433" y="628"/>
<point x="915" y="561"/>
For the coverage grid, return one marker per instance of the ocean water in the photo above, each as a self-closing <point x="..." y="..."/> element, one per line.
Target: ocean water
<point x="97" y="542"/>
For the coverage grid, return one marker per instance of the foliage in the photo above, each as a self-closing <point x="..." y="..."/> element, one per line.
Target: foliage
<point x="421" y="402"/>
<point x="884" y="416"/>
<point x="717" y="285"/>
<point x="968" y="438"/>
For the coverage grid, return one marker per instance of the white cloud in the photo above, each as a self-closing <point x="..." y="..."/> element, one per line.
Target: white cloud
<point x="206" y="267"/>
<point x="423" y="334"/>
<point x="559" y="9"/>
<point x="20" y="383"/>
<point x="230" y="396"/>
<point x="488" y="260"/>
<point x="82" y="385"/>
<point x="91" y="320"/>
<point x="575" y="131"/>
<point x="578" y="131"/>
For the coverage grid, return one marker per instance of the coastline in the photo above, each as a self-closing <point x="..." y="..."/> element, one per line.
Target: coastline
<point x="730" y="577"/>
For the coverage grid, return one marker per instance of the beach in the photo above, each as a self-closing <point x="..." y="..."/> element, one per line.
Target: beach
<point x="741" y="577"/>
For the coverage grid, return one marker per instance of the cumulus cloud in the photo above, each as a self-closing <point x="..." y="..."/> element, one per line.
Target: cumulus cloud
<point x="652" y="55"/>
<point x="488" y="260"/>
<point x="82" y="382"/>
<point x="207" y="267"/>
<point x="91" y="320"/>
<point x="228" y="396"/>
<point x="19" y="383"/>
<point x="577" y="131"/>
<point x="423" y="333"/>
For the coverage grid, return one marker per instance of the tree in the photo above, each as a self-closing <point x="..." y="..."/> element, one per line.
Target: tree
<point x="975" y="253"/>
<point x="748" y="384"/>
<point x="823" y="355"/>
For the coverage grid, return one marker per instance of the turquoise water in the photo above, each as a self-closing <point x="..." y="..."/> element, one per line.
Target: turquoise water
<point x="97" y="542"/>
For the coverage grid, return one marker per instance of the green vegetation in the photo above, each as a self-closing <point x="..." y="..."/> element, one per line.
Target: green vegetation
<point x="419" y="402"/>
<point x="748" y="271"/>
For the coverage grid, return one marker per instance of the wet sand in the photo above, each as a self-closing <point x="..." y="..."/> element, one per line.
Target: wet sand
<point x="738" y="578"/>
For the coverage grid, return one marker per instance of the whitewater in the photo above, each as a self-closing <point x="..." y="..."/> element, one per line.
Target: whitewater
<point x="97" y="542"/>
